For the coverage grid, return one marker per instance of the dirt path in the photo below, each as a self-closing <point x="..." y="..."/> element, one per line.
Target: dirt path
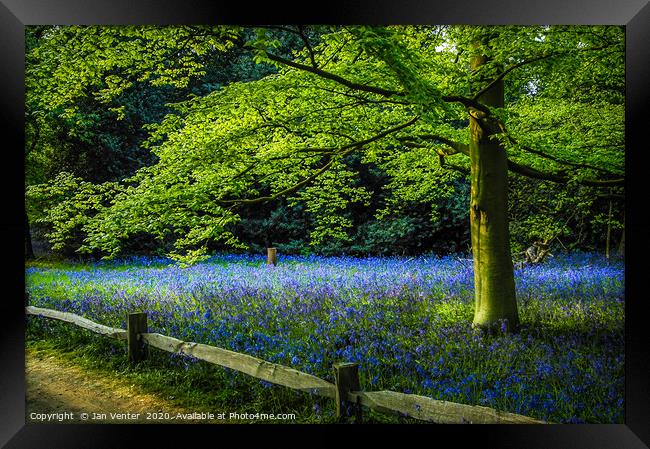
<point x="61" y="392"/>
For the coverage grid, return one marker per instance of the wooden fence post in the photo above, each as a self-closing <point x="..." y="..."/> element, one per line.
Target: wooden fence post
<point x="271" y="256"/>
<point x="346" y="376"/>
<point x="137" y="325"/>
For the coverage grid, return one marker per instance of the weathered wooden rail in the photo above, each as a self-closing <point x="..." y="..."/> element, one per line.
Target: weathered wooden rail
<point x="80" y="321"/>
<point x="346" y="390"/>
<point x="261" y="369"/>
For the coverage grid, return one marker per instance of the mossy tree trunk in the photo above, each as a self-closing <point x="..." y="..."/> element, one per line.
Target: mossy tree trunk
<point x="495" y="299"/>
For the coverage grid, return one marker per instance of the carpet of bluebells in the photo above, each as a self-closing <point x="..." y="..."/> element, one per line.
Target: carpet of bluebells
<point x="407" y="322"/>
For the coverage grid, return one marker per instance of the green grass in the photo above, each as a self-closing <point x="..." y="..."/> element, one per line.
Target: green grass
<point x="198" y="386"/>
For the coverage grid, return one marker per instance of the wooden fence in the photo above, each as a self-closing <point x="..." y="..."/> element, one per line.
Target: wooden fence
<point x="346" y="391"/>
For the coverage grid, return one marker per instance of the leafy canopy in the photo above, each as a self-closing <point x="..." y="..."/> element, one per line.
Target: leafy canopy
<point x="396" y="96"/>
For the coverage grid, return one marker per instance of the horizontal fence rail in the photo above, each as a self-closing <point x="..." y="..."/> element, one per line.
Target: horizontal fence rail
<point x="344" y="391"/>
<point x="433" y="410"/>
<point x="80" y="321"/>
<point x="261" y="369"/>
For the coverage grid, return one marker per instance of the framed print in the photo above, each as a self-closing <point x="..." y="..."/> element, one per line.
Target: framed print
<point x="359" y="220"/>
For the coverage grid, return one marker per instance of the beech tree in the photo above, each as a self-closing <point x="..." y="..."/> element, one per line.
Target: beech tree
<point x="428" y="104"/>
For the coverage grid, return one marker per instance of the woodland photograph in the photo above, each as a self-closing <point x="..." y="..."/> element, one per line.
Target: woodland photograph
<point x="323" y="224"/>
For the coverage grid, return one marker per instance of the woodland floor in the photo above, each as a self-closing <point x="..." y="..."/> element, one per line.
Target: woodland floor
<point x="54" y="385"/>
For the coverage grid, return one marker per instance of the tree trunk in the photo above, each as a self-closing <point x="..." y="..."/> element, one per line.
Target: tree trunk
<point x="608" y="239"/>
<point x="494" y="283"/>
<point x="621" y="245"/>
<point x="29" y="250"/>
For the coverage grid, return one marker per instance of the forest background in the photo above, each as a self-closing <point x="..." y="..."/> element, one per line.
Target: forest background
<point x="81" y="143"/>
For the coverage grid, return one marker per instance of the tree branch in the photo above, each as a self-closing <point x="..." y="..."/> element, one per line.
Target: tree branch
<point x="560" y="178"/>
<point x="359" y="98"/>
<point x="457" y="147"/>
<point x="508" y="70"/>
<point x="467" y="102"/>
<point x="285" y="191"/>
<point x="556" y="159"/>
<point x="329" y="157"/>
<point x="333" y="77"/>
<point x="530" y="61"/>
<point x="612" y="196"/>
<point x="304" y="38"/>
<point x="361" y="142"/>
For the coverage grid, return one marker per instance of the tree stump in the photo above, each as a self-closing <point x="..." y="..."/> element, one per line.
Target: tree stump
<point x="271" y="256"/>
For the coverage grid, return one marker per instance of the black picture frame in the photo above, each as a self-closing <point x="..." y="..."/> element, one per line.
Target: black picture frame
<point x="15" y="14"/>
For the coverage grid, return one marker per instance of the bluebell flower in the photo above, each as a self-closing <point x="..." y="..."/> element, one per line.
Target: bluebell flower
<point x="408" y="322"/>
